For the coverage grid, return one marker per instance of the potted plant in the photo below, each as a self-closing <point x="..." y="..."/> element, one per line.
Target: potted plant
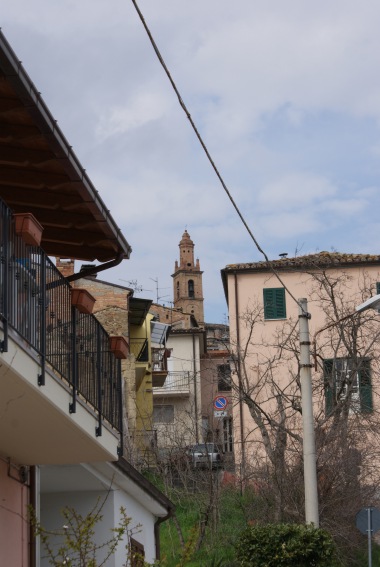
<point x="28" y="227"/>
<point x="119" y="346"/>
<point x="82" y="300"/>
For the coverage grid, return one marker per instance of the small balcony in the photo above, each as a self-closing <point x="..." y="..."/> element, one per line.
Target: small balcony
<point x="177" y="384"/>
<point x="60" y="384"/>
<point x="159" y="366"/>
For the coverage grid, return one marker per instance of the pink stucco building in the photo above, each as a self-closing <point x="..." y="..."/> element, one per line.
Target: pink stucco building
<point x="263" y="313"/>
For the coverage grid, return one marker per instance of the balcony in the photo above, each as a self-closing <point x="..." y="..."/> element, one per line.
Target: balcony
<point x="159" y="366"/>
<point x="60" y="385"/>
<point x="177" y="384"/>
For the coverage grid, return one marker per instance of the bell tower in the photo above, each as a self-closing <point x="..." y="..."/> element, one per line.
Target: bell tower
<point x="187" y="281"/>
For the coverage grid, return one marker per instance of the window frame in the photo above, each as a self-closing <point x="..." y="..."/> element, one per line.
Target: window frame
<point x="224" y="378"/>
<point x="274" y="301"/>
<point x="190" y="289"/>
<point x="363" y="401"/>
<point x="137" y="553"/>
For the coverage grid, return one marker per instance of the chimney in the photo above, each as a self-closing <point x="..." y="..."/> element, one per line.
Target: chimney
<point x="66" y="267"/>
<point x="85" y="268"/>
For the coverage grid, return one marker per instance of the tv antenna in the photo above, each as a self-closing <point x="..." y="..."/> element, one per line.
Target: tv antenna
<point x="155" y="280"/>
<point x="133" y="284"/>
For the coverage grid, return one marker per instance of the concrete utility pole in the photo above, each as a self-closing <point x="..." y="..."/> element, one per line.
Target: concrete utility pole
<point x="309" y="454"/>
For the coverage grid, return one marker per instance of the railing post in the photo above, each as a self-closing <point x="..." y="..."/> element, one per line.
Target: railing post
<point x="5" y="270"/>
<point x="120" y="449"/>
<point x="74" y="365"/>
<point x="42" y="303"/>
<point x="98" y="429"/>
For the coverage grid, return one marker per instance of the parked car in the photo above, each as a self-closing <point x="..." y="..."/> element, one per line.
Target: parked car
<point x="205" y="455"/>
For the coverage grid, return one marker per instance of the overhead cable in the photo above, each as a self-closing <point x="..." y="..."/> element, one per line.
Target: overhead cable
<point x="182" y="104"/>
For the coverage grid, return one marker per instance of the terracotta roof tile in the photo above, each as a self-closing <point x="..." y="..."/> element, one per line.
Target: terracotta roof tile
<point x="320" y="260"/>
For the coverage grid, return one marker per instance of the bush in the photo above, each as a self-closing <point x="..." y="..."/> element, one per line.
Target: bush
<point x="286" y="545"/>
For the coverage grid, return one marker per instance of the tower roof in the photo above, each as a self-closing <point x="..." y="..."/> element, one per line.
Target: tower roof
<point x="186" y="240"/>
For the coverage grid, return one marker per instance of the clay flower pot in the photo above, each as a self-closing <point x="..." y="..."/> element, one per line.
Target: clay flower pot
<point x="28" y="227"/>
<point x="82" y="300"/>
<point x="119" y="346"/>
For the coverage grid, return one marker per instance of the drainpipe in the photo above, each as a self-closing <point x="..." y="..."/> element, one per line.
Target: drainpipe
<point x="157" y="541"/>
<point x="96" y="269"/>
<point x="195" y="394"/>
<point x="241" y="405"/>
<point x="33" y="502"/>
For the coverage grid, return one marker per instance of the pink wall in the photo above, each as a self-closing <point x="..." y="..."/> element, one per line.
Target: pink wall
<point x="14" y="527"/>
<point x="250" y="298"/>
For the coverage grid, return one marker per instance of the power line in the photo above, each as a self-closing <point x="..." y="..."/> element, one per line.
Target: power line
<point x="183" y="106"/>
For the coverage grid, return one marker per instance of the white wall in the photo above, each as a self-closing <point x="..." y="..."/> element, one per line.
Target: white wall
<point x="83" y="501"/>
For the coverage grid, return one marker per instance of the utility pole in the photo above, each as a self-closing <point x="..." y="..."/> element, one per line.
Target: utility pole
<point x="309" y="453"/>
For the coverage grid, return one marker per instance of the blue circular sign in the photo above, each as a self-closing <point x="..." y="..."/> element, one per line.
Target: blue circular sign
<point x="220" y="403"/>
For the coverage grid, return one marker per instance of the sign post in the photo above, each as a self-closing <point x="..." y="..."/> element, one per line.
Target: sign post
<point x="368" y="522"/>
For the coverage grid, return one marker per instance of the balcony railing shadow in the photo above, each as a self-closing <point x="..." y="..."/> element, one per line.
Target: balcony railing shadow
<point x="35" y="301"/>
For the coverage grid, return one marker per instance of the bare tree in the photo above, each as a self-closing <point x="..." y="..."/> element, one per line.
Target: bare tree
<point x="267" y="385"/>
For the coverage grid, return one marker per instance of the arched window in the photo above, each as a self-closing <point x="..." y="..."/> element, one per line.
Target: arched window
<point x="190" y="287"/>
<point x="177" y="290"/>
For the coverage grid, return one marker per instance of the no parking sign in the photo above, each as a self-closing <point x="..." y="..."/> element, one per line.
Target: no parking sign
<point x="220" y="403"/>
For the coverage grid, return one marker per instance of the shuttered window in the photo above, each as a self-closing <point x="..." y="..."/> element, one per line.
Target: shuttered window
<point x="274" y="303"/>
<point x="341" y="380"/>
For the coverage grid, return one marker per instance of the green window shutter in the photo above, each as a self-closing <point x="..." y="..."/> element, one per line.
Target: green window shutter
<point x="274" y="303"/>
<point x="365" y="387"/>
<point x="329" y="385"/>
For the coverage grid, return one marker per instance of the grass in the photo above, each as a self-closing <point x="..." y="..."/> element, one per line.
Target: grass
<point x="230" y="517"/>
<point x="227" y="521"/>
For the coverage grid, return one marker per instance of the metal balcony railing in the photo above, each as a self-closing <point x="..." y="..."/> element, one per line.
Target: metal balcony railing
<point x="159" y="359"/>
<point x="175" y="382"/>
<point x="35" y="301"/>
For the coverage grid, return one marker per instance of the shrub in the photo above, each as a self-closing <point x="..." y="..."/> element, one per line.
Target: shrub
<point x="285" y="545"/>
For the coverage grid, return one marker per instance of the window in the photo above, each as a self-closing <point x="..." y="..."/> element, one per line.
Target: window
<point x="228" y="442"/>
<point x="345" y="381"/>
<point x="190" y="286"/>
<point x="224" y="378"/>
<point x="377" y="288"/>
<point x="163" y="414"/>
<point x="137" y="553"/>
<point x="274" y="303"/>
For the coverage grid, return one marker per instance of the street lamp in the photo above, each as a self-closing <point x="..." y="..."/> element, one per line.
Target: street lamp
<point x="371" y="303"/>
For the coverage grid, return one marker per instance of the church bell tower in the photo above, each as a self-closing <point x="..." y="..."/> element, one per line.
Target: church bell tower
<point x="187" y="281"/>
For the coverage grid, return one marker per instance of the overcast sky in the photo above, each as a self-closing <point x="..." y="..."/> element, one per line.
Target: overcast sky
<point x="285" y="94"/>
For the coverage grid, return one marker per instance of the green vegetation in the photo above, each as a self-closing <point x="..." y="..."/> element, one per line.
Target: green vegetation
<point x="225" y="525"/>
<point x="233" y="523"/>
<point x="285" y="545"/>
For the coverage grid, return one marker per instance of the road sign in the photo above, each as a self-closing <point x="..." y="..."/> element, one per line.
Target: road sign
<point x="220" y="403"/>
<point x="368" y="516"/>
<point x="218" y="413"/>
<point x="368" y="522"/>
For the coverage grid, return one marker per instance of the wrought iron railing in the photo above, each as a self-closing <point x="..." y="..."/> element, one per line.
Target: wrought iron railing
<point x="35" y="301"/>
